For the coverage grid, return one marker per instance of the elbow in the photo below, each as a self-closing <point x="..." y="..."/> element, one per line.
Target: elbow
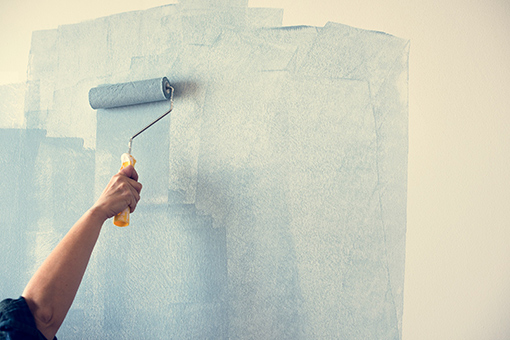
<point x="41" y="312"/>
<point x="43" y="317"/>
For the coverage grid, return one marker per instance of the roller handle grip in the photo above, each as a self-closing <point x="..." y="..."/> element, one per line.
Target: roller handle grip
<point x="122" y="218"/>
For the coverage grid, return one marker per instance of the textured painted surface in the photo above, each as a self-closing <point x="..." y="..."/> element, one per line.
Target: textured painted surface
<point x="12" y="98"/>
<point x="274" y="200"/>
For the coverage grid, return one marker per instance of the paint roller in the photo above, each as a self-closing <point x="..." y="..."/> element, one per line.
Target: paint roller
<point x="126" y="94"/>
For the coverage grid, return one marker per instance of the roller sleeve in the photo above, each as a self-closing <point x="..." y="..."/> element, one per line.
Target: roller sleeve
<point x="132" y="93"/>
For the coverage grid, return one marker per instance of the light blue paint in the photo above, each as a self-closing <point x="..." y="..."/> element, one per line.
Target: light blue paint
<point x="274" y="194"/>
<point x="12" y="105"/>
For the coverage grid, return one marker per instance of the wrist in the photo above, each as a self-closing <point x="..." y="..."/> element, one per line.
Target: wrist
<point x="97" y="214"/>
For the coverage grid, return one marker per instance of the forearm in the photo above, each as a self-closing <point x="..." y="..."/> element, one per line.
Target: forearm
<point x="52" y="289"/>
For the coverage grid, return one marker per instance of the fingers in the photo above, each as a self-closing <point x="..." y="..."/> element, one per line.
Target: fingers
<point x="132" y="175"/>
<point x="129" y="171"/>
<point x="136" y="185"/>
<point x="130" y="186"/>
<point x="135" y="194"/>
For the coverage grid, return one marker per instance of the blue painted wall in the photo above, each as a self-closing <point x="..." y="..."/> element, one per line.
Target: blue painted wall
<point x="274" y="201"/>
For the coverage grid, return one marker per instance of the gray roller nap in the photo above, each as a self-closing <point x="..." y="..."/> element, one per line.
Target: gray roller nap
<point x="132" y="93"/>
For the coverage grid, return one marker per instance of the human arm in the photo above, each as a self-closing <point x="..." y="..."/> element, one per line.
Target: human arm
<point x="51" y="291"/>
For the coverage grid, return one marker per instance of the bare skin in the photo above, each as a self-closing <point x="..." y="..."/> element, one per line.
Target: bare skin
<point x="51" y="291"/>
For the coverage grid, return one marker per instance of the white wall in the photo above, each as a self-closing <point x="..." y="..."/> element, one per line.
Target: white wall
<point x="457" y="271"/>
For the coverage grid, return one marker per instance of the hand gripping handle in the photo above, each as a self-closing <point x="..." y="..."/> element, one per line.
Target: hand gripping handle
<point x="122" y="218"/>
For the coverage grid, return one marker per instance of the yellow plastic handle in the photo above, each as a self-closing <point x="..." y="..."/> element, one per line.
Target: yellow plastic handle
<point x="122" y="218"/>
